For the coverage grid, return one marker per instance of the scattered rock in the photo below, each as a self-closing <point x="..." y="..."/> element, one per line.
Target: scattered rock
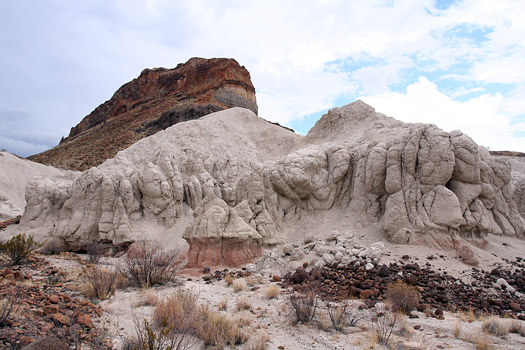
<point x="61" y="318"/>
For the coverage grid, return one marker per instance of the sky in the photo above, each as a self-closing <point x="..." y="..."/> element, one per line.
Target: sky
<point x="456" y="64"/>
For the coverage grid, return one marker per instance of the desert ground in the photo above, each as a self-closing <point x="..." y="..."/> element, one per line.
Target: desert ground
<point x="258" y="301"/>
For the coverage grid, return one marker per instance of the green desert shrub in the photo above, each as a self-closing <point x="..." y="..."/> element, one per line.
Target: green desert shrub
<point x="18" y="248"/>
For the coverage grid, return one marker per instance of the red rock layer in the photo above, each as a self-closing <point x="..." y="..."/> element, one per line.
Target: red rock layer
<point x="221" y="252"/>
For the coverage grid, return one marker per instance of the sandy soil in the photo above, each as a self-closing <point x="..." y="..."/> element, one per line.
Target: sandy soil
<point x="275" y="318"/>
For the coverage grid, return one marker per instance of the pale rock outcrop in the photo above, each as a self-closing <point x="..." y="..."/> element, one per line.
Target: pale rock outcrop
<point x="223" y="235"/>
<point x="241" y="182"/>
<point x="15" y="175"/>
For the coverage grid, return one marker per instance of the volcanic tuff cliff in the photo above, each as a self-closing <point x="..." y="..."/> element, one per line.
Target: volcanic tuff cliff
<point x="251" y="182"/>
<point x="155" y="100"/>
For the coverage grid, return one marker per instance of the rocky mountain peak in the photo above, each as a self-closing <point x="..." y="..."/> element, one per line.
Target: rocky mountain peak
<point x="155" y="100"/>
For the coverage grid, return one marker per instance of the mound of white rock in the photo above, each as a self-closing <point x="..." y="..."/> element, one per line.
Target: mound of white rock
<point x="336" y="249"/>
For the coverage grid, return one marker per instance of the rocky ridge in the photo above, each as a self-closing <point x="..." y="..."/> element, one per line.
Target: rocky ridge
<point x="155" y="100"/>
<point x="416" y="182"/>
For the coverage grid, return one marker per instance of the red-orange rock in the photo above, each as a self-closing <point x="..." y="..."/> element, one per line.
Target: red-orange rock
<point x="24" y="340"/>
<point x="61" y="318"/>
<point x="85" y="320"/>
<point x="366" y="294"/>
<point x="50" y="309"/>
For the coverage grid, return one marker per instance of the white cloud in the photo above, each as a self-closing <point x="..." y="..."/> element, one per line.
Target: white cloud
<point x="64" y="59"/>
<point x="505" y="70"/>
<point x="481" y="117"/>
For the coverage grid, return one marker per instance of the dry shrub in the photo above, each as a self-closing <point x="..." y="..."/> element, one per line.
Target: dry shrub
<point x="384" y="324"/>
<point x="6" y="307"/>
<point x="146" y="264"/>
<point x="101" y="281"/>
<point x="402" y="297"/>
<point x="467" y="315"/>
<point x="272" y="292"/>
<point x="343" y="315"/>
<point x="95" y="251"/>
<point x="217" y="330"/>
<point x="495" y="326"/>
<point x="228" y="279"/>
<point x="223" y="305"/>
<point x="481" y="341"/>
<point x="53" y="246"/>
<point x="457" y="330"/>
<point x="517" y="327"/>
<point x="238" y="285"/>
<point x="403" y="328"/>
<point x="180" y="309"/>
<point x="243" y="304"/>
<point x="251" y="281"/>
<point x="244" y="322"/>
<point x="158" y="337"/>
<point x="181" y="314"/>
<point x="259" y="343"/>
<point x="304" y="305"/>
<point x="148" y="299"/>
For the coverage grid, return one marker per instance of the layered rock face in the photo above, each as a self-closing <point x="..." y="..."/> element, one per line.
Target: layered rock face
<point x="139" y="108"/>
<point x="251" y="181"/>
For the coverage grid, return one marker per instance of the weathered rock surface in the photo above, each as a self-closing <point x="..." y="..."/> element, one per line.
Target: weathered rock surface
<point x="15" y="174"/>
<point x="155" y="100"/>
<point x="234" y="181"/>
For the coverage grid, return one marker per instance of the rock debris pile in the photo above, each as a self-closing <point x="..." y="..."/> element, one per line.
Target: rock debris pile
<point x="44" y="306"/>
<point x="500" y="291"/>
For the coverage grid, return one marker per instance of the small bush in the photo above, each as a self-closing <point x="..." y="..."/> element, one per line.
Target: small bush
<point x="102" y="281"/>
<point x="384" y="324"/>
<point x="146" y="264"/>
<point x="304" y="305"/>
<point x="159" y="337"/>
<point x="95" y="251"/>
<point x="148" y="299"/>
<point x="223" y="305"/>
<point x="343" y="315"/>
<point x="218" y="330"/>
<point x="181" y="313"/>
<point x="402" y="297"/>
<point x="18" y="248"/>
<point x="457" y="330"/>
<point x="251" y="281"/>
<point x="517" y="327"/>
<point x="228" y="279"/>
<point x="243" y="304"/>
<point x="238" y="285"/>
<point x="180" y="309"/>
<point x="272" y="292"/>
<point x="482" y="342"/>
<point x="259" y="343"/>
<point x="495" y="326"/>
<point x="6" y="306"/>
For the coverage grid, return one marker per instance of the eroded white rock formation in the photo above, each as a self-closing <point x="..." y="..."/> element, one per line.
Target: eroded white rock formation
<point x="235" y="180"/>
<point x="15" y="174"/>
